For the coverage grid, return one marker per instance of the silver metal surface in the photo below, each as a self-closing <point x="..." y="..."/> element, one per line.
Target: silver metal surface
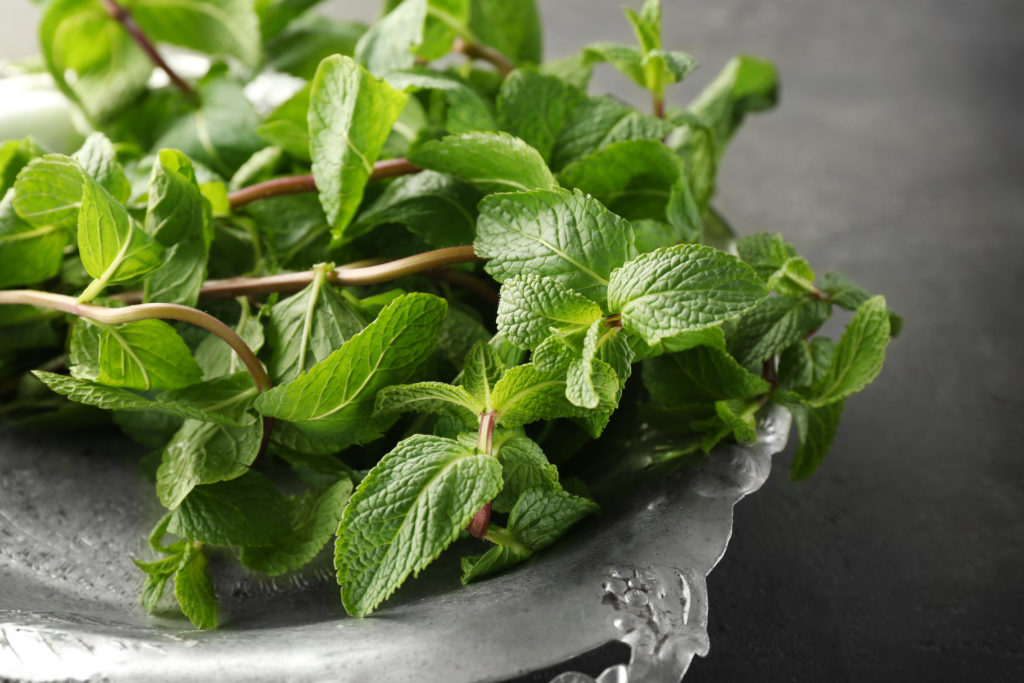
<point x="72" y="509"/>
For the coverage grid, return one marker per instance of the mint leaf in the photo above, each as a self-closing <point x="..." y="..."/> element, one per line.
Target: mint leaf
<point x="27" y="254"/>
<point x="527" y="393"/>
<point x="566" y="236"/>
<point x="775" y="324"/>
<point x="535" y="107"/>
<point x="482" y="369"/>
<point x="512" y="27"/>
<point x="804" y="363"/>
<point x="244" y="511"/>
<point x="497" y="559"/>
<point x="194" y="590"/>
<point x="745" y="85"/>
<point x="439" y="208"/>
<point x="388" y="45"/>
<point x="14" y="155"/>
<point x="584" y="375"/>
<point x="112" y="246"/>
<point x="92" y="59"/>
<point x="633" y="178"/>
<point x="523" y="466"/>
<point x="765" y="252"/>
<point x="217" y="359"/>
<point x="858" y="356"/>
<point x="406" y="511"/>
<point x="816" y="429"/>
<point x="48" y="192"/>
<point x="300" y="49"/>
<point x="626" y="58"/>
<point x="699" y="375"/>
<point x="494" y="162"/>
<point x="668" y="292"/>
<point x="179" y="218"/>
<point x="844" y="292"/>
<point x="600" y="121"/>
<point x="427" y="397"/>
<point x="221" y="133"/>
<point x="223" y="399"/>
<point x="350" y="116"/>
<point x="684" y="214"/>
<point x="467" y="110"/>
<point x="307" y="327"/>
<point x="738" y="417"/>
<point x="533" y="307"/>
<point x="158" y="573"/>
<point x="205" y="453"/>
<point x="99" y="160"/>
<point x="543" y="515"/>
<point x="335" y="397"/>
<point x="314" y="518"/>
<point x="147" y="354"/>
<point x="287" y="127"/>
<point x="216" y="27"/>
<point x="461" y="330"/>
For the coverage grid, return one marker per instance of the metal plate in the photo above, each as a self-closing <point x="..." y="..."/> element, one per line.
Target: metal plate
<point x="72" y="509"/>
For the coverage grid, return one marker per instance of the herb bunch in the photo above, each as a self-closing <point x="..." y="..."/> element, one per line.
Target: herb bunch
<point x="389" y="400"/>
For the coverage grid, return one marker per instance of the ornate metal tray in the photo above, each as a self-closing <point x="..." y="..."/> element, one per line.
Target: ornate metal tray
<point x="73" y="508"/>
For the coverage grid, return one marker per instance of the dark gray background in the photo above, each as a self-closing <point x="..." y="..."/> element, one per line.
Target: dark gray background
<point x="896" y="156"/>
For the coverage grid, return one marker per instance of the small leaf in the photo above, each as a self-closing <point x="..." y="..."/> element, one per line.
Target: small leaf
<point x="533" y="307"/>
<point x="388" y="45"/>
<point x="700" y="375"/>
<point x="467" y="110"/>
<point x="535" y="107"/>
<point x="523" y="466"/>
<point x="689" y="287"/>
<point x="194" y="590"/>
<point x="543" y="515"/>
<point x="858" y="356"/>
<point x="48" y="192"/>
<point x="776" y="323"/>
<point x="246" y="511"/>
<point x="350" y="116"/>
<point x="147" y="354"/>
<point x="483" y="368"/>
<point x="406" y="511"/>
<point x="804" y="363"/>
<point x="526" y="394"/>
<point x="511" y="26"/>
<point x="745" y="85"/>
<point x="566" y="236"/>
<point x="27" y="254"/>
<point x="600" y="121"/>
<point x="99" y="160"/>
<point x="427" y="397"/>
<point x="494" y="162"/>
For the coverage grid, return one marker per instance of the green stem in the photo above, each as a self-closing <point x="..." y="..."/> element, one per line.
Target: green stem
<point x="500" y="536"/>
<point x="114" y="316"/>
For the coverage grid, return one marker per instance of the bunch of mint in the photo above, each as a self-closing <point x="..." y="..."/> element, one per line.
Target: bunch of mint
<point x="400" y="401"/>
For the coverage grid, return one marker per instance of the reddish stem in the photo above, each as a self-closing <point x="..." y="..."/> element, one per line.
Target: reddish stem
<point x="486" y="53"/>
<point x="124" y="17"/>
<point x="478" y="525"/>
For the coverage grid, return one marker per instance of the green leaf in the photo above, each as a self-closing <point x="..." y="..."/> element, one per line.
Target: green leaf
<point x="179" y="218"/>
<point x="535" y="107"/>
<point x="307" y="327"/>
<point x="684" y="213"/>
<point x="804" y="363"/>
<point x="523" y="466"/>
<point x="217" y="359"/>
<point x="194" y="590"/>
<point x="99" y="160"/>
<point x="112" y="246"/>
<point x="745" y="85"/>
<point x="689" y="287"/>
<point x="205" y="453"/>
<point x="216" y="27"/>
<point x="647" y="25"/>
<point x="427" y="397"/>
<point x="48" y="192"/>
<point x="699" y="375"/>
<point x="336" y="396"/>
<point x="511" y="26"/>
<point x="388" y="44"/>
<point x="438" y="207"/>
<point x="576" y="70"/>
<point x="158" y="573"/>
<point x="494" y="162"/>
<point x="776" y="323"/>
<point x="765" y="252"/>
<point x="858" y="356"/>
<point x="246" y="511"/>
<point x="275" y="15"/>
<point x="844" y="292"/>
<point x="146" y="354"/>
<point x="527" y="393"/>
<point x="543" y="515"/>
<point x="533" y="307"/>
<point x="599" y="122"/>
<point x="467" y="110"/>
<point x="497" y="559"/>
<point x="633" y="178"/>
<point x="314" y="518"/>
<point x="300" y="49"/>
<point x="14" y="156"/>
<point x="816" y="430"/>
<point x="406" y="511"/>
<point x="221" y="132"/>
<point x="350" y="116"/>
<point x="92" y="59"/>
<point x="184" y="405"/>
<point x="566" y="236"/>
<point x="27" y="254"/>
<point x="582" y="380"/>
<point x="626" y="58"/>
<point x="223" y="399"/>
<point x="482" y="369"/>
<point x="287" y="125"/>
<point x="738" y="417"/>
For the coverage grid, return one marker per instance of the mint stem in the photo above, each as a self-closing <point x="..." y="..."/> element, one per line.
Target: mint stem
<point x="114" y="316"/>
<point x="344" y="275"/>
<point x="659" y="106"/>
<point x="485" y="441"/>
<point x="124" y="17"/>
<point x="300" y="184"/>
<point x="486" y="53"/>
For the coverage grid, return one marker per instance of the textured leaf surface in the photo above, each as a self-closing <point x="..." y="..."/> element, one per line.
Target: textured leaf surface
<point x="48" y="192"/>
<point x="244" y="511"/>
<point x="668" y="292"/>
<point x="699" y="375"/>
<point x="533" y="307"/>
<point x="566" y="236"/>
<point x="98" y="159"/>
<point x="194" y="590"/>
<point x="427" y="397"/>
<point x="27" y="254"/>
<point x="523" y="466"/>
<point x="216" y="27"/>
<point x="776" y="323"/>
<point x="147" y="354"/>
<point x="535" y="107"/>
<point x="494" y="162"/>
<point x="600" y="121"/>
<point x="350" y="116"/>
<point x="406" y="511"/>
<point x="858" y="356"/>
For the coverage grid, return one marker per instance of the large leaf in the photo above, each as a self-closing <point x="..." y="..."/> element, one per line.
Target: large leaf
<point x="566" y="236"/>
<point x="244" y="511"/>
<point x="535" y="107"/>
<point x="48" y="192"/>
<point x="216" y="27"/>
<point x="146" y="354"/>
<point x="406" y="511"/>
<point x="858" y="356"/>
<point x="494" y="162"/>
<point x="511" y="26"/>
<point x="600" y="121"/>
<point x="27" y="254"/>
<point x="350" y="116"/>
